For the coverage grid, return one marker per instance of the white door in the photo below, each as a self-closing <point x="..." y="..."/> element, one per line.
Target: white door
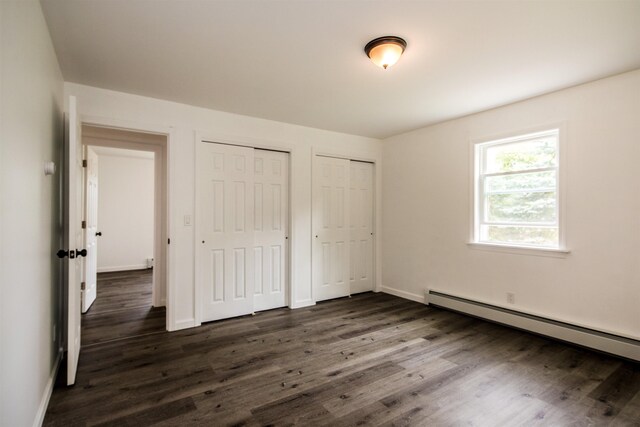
<point x="330" y="255"/>
<point x="271" y="206"/>
<point x="73" y="236"/>
<point x="90" y="288"/>
<point x="225" y="230"/>
<point x="361" y="227"/>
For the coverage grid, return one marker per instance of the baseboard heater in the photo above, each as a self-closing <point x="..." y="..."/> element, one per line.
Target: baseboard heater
<point x="609" y="343"/>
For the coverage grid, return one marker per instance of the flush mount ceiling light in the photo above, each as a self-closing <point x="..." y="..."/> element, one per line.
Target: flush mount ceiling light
<point x="385" y="51"/>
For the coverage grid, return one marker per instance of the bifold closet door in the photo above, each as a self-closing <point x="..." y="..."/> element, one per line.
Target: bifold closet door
<point x="330" y="216"/>
<point x="226" y="230"/>
<point x="361" y="227"/>
<point x="271" y="207"/>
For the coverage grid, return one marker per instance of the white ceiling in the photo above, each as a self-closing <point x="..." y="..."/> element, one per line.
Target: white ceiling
<point x="302" y="61"/>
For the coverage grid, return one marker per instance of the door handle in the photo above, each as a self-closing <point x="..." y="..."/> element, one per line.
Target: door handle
<point x="62" y="253"/>
<point x="81" y="252"/>
<point x="98" y="233"/>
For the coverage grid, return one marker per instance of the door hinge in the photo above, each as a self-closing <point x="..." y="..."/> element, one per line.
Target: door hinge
<point x="168" y="241"/>
<point x="83" y="285"/>
<point x="84" y="163"/>
<point x="84" y="224"/>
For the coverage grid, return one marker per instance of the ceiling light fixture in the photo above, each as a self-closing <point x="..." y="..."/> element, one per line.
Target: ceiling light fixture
<point x="385" y="51"/>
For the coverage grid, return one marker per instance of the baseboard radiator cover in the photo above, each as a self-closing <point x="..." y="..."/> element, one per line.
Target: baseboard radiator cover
<point x="606" y="342"/>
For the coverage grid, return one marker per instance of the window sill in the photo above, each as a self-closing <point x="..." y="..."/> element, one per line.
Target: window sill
<point x="520" y="250"/>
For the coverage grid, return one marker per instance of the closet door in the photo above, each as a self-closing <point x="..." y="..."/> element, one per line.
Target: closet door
<point x="330" y="228"/>
<point x="361" y="227"/>
<point x="225" y="230"/>
<point x="271" y="207"/>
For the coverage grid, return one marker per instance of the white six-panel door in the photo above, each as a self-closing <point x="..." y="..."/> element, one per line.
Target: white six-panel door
<point x="91" y="228"/>
<point x="361" y="227"/>
<point x="330" y="217"/>
<point x="226" y="230"/>
<point x="270" y="254"/>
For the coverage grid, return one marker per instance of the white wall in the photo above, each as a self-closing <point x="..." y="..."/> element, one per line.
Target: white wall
<point x="426" y="210"/>
<point x="31" y="134"/>
<point x="125" y="209"/>
<point x="187" y="123"/>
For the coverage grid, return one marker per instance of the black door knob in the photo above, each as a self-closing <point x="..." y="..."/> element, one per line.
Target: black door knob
<point x="98" y="233"/>
<point x="71" y="254"/>
<point x="81" y="252"/>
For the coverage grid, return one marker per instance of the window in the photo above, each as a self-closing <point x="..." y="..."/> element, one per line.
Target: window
<point x="517" y="191"/>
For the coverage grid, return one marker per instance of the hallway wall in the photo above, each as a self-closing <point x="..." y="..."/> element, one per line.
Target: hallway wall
<point x="125" y="209"/>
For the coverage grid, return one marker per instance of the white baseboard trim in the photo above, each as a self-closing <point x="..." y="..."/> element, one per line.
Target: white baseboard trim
<point x="122" y="268"/>
<point x="163" y="303"/>
<point x="598" y="340"/>
<point x="184" y="324"/>
<point x="48" y="390"/>
<point x="403" y="294"/>
<point x="302" y="304"/>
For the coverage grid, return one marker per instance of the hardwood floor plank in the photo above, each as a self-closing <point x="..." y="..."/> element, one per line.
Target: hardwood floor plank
<point x="371" y="393"/>
<point x="151" y="416"/>
<point x="619" y="387"/>
<point x="630" y="413"/>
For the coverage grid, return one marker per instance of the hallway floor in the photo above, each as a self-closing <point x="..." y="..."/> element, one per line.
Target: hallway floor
<point x="122" y="308"/>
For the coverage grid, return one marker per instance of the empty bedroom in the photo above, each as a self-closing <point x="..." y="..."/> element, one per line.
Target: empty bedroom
<point x="312" y="212"/>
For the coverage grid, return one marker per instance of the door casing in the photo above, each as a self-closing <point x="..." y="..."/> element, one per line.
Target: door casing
<point x="157" y="139"/>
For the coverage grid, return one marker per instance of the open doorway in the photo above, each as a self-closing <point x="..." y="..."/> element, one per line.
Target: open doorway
<point x="124" y="280"/>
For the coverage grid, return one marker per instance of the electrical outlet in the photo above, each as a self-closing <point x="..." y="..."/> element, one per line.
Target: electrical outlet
<point x="511" y="298"/>
<point x="187" y="220"/>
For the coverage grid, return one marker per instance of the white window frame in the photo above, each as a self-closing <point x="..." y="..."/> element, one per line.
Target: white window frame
<point x="478" y="199"/>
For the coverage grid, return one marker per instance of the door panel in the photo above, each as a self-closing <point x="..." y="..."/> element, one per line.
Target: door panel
<point x="361" y="227"/>
<point x="73" y="236"/>
<point x="88" y="295"/>
<point x="331" y="252"/>
<point x="271" y="180"/>
<point x="226" y="227"/>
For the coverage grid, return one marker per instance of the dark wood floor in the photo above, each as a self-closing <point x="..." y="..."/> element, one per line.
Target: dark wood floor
<point x="373" y="359"/>
<point x="122" y="308"/>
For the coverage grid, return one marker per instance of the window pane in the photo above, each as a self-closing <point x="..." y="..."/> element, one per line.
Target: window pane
<point x="522" y="155"/>
<point x="523" y="181"/>
<point x="537" y="236"/>
<point x="521" y="207"/>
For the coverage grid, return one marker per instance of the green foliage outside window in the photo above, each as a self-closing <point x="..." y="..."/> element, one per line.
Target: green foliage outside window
<point x="516" y="196"/>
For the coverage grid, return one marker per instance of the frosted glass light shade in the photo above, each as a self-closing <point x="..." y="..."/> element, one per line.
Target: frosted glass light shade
<point x="385" y="51"/>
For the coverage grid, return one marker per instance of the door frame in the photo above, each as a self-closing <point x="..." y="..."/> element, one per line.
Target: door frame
<point x="163" y="254"/>
<point x="202" y="138"/>
<point x="376" y="160"/>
